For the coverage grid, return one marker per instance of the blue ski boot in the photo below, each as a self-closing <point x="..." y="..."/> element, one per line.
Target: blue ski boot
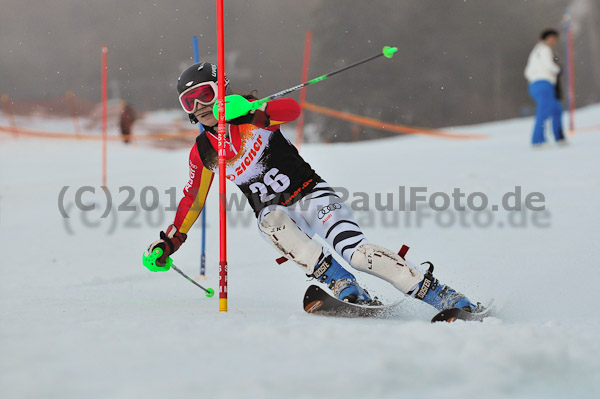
<point x="440" y="296"/>
<point x="341" y="281"/>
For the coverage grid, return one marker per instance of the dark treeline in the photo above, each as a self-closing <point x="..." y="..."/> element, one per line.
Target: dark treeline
<point x="459" y="61"/>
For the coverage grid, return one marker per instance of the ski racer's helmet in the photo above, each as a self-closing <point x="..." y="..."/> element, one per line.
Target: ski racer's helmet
<point x="198" y="83"/>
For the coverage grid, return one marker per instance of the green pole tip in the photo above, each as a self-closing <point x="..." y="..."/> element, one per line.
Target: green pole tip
<point x="389" y="51"/>
<point x="210" y="292"/>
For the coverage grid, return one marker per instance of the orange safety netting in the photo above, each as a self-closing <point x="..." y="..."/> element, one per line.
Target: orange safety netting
<point x="391" y="127"/>
<point x="84" y="113"/>
<point x="76" y="107"/>
<point x="97" y="137"/>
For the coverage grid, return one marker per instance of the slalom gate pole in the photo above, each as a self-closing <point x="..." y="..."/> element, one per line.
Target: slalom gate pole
<point x="203" y="250"/>
<point x="104" y="135"/>
<point x="196" y="53"/>
<point x="300" y="123"/>
<point x="570" y="74"/>
<point x="221" y="150"/>
<point x="239" y="106"/>
<point x="566" y="20"/>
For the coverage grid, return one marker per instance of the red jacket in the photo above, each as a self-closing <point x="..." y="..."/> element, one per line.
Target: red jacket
<point x="280" y="111"/>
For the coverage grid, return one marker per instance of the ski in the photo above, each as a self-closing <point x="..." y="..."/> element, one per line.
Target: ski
<point x="453" y="314"/>
<point x="318" y="301"/>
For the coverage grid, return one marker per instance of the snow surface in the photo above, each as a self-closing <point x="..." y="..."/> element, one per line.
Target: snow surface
<point x="81" y="317"/>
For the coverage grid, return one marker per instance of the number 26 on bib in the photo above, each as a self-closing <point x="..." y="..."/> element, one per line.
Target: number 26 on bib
<point x="273" y="180"/>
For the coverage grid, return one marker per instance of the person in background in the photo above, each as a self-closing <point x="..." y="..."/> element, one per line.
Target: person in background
<point x="542" y="74"/>
<point x="128" y="116"/>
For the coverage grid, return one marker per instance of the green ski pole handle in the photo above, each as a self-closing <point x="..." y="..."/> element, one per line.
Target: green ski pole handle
<point x="149" y="260"/>
<point x="236" y="105"/>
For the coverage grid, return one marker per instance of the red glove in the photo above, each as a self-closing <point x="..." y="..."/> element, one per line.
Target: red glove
<point x="169" y="242"/>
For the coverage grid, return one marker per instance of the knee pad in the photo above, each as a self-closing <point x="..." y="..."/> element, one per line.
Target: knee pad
<point x="281" y="231"/>
<point x="385" y="264"/>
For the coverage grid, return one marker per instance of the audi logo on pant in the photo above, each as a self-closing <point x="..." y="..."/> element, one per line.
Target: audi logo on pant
<point x="328" y="208"/>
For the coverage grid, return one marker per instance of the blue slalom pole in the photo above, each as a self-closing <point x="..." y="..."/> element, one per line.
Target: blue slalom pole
<point x="203" y="251"/>
<point x="203" y="254"/>
<point x="196" y="55"/>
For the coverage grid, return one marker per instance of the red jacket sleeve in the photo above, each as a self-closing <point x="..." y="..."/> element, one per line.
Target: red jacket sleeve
<point x="282" y="110"/>
<point x="194" y="193"/>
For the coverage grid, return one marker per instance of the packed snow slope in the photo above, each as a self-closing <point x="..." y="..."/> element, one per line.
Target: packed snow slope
<point x="80" y="317"/>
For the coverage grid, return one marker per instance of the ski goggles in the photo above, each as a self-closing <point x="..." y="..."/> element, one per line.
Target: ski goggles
<point x="202" y="93"/>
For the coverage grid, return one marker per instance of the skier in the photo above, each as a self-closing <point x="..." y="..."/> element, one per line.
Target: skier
<point x="291" y="201"/>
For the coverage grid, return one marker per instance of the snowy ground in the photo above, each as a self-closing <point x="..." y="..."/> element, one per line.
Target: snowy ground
<point x="81" y="317"/>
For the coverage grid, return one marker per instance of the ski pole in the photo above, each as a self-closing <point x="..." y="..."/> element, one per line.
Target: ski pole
<point x="236" y="105"/>
<point x="150" y="262"/>
<point x="209" y="291"/>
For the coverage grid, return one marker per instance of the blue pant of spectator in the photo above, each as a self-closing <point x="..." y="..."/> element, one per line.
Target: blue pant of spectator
<point x="544" y="94"/>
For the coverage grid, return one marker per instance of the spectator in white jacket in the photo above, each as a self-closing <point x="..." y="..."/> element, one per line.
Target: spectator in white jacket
<point x="542" y="73"/>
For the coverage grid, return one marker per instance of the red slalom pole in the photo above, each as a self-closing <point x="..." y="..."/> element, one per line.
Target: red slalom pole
<point x="221" y="148"/>
<point x="571" y="79"/>
<point x="300" y="124"/>
<point x="104" y="138"/>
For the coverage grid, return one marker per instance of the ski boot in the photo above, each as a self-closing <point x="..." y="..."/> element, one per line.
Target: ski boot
<point x="340" y="281"/>
<point x="440" y="296"/>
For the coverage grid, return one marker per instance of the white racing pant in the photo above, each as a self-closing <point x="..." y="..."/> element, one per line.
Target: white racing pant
<point x="322" y="212"/>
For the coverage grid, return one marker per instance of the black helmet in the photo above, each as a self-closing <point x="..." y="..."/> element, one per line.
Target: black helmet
<point x="198" y="73"/>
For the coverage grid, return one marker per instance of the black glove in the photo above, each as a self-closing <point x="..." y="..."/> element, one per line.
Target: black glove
<point x="169" y="242"/>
